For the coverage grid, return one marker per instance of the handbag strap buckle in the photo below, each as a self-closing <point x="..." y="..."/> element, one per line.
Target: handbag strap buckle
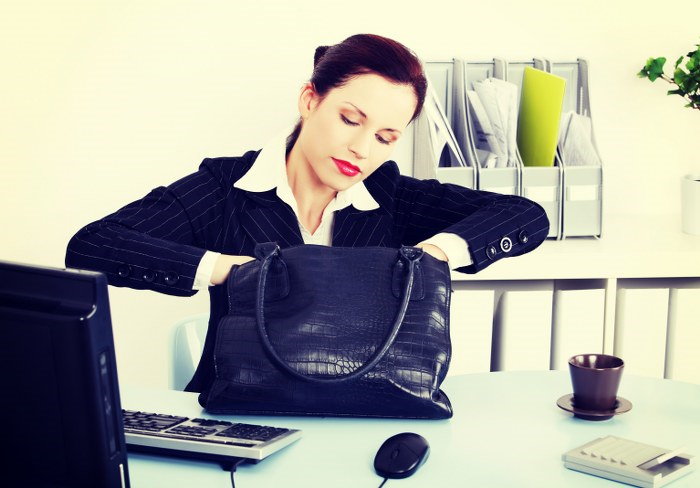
<point x="266" y="250"/>
<point x="411" y="253"/>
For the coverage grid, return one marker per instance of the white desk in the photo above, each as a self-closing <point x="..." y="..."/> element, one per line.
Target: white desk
<point x="507" y="431"/>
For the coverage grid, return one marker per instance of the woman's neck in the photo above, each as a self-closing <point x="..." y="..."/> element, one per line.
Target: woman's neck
<point x="311" y="195"/>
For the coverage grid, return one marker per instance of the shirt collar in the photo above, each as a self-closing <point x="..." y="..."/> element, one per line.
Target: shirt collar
<point x="272" y="161"/>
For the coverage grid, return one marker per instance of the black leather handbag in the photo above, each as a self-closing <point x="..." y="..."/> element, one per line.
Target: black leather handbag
<point x="334" y="331"/>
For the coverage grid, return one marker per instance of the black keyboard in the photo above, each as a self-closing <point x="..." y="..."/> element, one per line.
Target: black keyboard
<point x="200" y="438"/>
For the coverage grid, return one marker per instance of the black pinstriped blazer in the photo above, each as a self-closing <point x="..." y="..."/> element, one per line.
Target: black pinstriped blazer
<point x="157" y="242"/>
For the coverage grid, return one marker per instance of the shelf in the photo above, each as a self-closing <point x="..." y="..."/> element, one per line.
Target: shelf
<point x="631" y="246"/>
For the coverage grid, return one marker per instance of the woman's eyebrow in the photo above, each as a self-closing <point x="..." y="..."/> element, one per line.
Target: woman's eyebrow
<point x="365" y="116"/>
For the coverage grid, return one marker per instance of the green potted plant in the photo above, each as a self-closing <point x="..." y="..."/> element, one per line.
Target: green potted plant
<point x="687" y="85"/>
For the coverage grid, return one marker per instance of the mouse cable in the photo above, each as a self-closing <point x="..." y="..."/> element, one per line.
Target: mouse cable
<point x="231" y="466"/>
<point x="380" y="486"/>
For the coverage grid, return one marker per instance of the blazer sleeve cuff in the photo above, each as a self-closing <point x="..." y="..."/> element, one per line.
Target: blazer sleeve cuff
<point x="455" y="248"/>
<point x="135" y="260"/>
<point x="511" y="227"/>
<point x="202" y="279"/>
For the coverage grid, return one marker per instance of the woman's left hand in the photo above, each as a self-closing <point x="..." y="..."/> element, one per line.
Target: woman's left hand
<point x="433" y="250"/>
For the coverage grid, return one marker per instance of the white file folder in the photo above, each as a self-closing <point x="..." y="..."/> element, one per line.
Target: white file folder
<point x="577" y="324"/>
<point x="683" y="341"/>
<point x="471" y="324"/>
<point x="640" y="328"/>
<point x="522" y="328"/>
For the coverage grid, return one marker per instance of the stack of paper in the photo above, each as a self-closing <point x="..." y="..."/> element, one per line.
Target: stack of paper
<point x="493" y="106"/>
<point x="576" y="141"/>
<point x="540" y="113"/>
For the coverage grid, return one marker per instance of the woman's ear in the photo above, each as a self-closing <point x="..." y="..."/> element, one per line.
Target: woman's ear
<point x="308" y="99"/>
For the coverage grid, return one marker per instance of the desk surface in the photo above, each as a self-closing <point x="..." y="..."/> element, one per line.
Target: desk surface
<point x="506" y="431"/>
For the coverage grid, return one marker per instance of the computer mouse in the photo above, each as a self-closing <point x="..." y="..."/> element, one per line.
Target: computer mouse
<point x="401" y="455"/>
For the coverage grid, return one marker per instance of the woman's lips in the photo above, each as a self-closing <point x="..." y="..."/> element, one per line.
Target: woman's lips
<point x="345" y="167"/>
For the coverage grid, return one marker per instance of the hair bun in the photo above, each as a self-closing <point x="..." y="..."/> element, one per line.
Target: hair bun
<point x="320" y="51"/>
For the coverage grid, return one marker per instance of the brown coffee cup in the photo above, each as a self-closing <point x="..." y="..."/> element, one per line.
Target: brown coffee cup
<point x="595" y="379"/>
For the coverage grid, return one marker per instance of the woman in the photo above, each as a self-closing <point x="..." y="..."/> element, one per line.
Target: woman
<point x="329" y="182"/>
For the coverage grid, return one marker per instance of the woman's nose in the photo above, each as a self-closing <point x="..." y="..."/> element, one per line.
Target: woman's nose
<point x="360" y="146"/>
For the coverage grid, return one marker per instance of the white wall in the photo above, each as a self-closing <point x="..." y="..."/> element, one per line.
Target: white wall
<point x="102" y="101"/>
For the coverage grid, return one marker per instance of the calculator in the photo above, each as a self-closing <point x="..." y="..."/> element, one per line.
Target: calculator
<point x="629" y="462"/>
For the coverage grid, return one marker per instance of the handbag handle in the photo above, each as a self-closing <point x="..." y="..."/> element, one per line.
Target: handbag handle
<point x="411" y="254"/>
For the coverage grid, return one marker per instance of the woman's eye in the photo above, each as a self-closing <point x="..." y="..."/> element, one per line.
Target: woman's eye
<point x="382" y="140"/>
<point x="348" y="121"/>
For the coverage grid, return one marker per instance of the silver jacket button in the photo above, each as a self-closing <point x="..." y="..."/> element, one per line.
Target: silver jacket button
<point x="506" y="244"/>
<point x="491" y="252"/>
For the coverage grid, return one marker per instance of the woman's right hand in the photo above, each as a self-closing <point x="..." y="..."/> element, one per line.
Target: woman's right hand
<point x="223" y="264"/>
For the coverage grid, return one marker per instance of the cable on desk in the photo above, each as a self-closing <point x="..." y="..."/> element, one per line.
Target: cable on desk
<point x="380" y="486"/>
<point x="232" y="468"/>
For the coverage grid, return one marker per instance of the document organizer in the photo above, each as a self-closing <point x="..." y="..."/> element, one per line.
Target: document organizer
<point x="541" y="184"/>
<point x="443" y="76"/>
<point x="570" y="195"/>
<point x="582" y="196"/>
<point x="451" y="166"/>
<point x="544" y="185"/>
<point x="504" y="180"/>
<point x="499" y="180"/>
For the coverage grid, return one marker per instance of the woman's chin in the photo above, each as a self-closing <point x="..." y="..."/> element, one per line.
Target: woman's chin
<point x="343" y="183"/>
<point x="340" y="182"/>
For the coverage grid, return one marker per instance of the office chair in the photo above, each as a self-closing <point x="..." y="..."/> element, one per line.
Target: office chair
<point x="187" y="342"/>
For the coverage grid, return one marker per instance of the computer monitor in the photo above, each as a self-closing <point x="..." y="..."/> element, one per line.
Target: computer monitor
<point x="60" y="413"/>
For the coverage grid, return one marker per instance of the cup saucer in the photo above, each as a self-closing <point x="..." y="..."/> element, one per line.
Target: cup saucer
<point x="622" y="405"/>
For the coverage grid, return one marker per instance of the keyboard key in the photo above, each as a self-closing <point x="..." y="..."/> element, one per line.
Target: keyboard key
<point x="205" y="423"/>
<point x="252" y="432"/>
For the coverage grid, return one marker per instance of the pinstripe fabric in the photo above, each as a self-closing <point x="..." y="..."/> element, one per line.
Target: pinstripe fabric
<point x="157" y="242"/>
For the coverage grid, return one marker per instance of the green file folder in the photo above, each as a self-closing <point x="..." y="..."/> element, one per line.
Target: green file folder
<point x="538" y="119"/>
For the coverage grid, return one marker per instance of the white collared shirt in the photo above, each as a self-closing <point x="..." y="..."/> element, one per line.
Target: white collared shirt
<point x="272" y="161"/>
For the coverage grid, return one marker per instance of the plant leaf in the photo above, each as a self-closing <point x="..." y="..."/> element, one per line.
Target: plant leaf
<point x="655" y="68"/>
<point x="679" y="76"/>
<point x="658" y="63"/>
<point x="680" y="60"/>
<point x="691" y="85"/>
<point x="693" y="64"/>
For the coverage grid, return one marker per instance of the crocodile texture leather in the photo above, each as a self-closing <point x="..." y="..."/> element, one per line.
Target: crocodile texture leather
<point x="334" y="331"/>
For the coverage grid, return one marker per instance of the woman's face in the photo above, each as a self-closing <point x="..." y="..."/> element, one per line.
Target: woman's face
<point x="354" y="128"/>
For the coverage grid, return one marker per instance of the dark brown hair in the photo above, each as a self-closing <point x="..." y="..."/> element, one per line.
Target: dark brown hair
<point x="361" y="54"/>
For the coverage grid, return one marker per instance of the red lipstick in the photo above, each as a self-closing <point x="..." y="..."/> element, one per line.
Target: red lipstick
<point x="345" y="167"/>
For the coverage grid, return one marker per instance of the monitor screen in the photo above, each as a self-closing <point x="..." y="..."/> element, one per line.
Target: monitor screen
<point x="60" y="406"/>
